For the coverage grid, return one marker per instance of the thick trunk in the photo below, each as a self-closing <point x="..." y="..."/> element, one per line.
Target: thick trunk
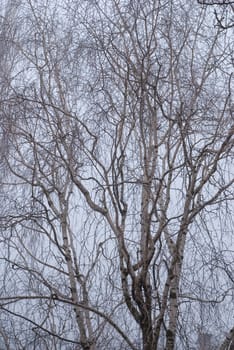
<point x="173" y="308"/>
<point x="174" y="288"/>
<point x="148" y="339"/>
<point x="85" y="342"/>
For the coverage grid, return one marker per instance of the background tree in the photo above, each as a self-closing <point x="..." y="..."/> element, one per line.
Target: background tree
<point x="223" y="10"/>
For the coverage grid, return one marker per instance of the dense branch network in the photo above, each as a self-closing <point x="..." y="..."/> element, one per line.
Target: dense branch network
<point x="116" y="140"/>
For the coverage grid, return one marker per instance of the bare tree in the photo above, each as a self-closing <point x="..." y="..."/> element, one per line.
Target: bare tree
<point x="223" y="10"/>
<point x="120" y="178"/>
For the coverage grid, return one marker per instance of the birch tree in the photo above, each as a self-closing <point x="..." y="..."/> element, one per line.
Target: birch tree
<point x="117" y="223"/>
